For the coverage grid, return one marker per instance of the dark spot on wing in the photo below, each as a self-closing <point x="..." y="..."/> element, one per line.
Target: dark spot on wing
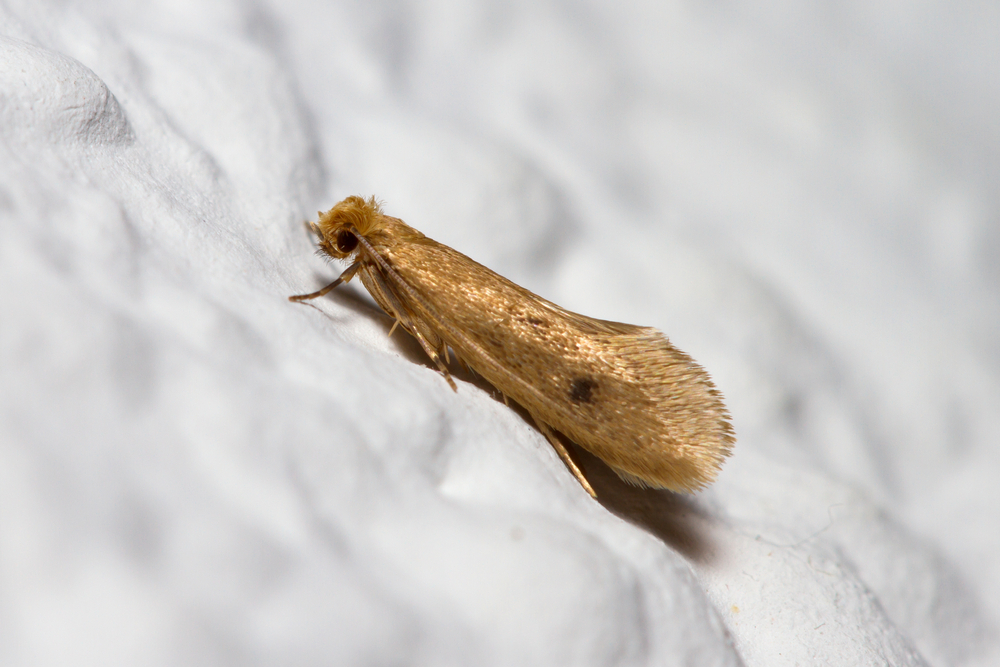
<point x="534" y="321"/>
<point x="581" y="390"/>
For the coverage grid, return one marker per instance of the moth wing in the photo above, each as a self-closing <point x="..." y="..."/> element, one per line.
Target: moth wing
<point x="621" y="391"/>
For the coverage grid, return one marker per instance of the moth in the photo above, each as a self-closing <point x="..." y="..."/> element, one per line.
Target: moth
<point x="620" y="391"/>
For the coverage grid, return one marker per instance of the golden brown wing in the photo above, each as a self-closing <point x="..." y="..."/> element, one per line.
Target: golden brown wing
<point x="623" y="392"/>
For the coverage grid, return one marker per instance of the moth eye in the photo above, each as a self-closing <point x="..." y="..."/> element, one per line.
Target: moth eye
<point x="346" y="241"/>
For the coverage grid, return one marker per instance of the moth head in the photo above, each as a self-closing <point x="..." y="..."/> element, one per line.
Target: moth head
<point x="340" y="227"/>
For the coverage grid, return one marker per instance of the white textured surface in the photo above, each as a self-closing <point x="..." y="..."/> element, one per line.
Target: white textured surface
<point x="195" y="471"/>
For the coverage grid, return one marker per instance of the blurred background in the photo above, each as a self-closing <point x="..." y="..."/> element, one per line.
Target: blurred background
<point x="803" y="198"/>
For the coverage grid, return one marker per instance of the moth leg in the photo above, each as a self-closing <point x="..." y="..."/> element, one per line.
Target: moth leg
<point x="435" y="357"/>
<point x="344" y="277"/>
<point x="461" y="362"/>
<point x="564" y="455"/>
